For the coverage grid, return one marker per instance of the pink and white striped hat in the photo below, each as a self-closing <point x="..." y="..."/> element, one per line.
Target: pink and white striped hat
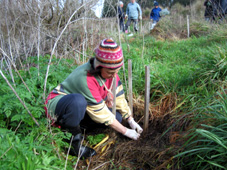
<point x="108" y="54"/>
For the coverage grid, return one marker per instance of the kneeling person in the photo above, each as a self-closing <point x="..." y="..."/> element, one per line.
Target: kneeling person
<point x="85" y="98"/>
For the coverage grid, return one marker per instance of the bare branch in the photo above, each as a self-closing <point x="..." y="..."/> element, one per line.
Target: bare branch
<point x="55" y="45"/>
<point x="15" y="69"/>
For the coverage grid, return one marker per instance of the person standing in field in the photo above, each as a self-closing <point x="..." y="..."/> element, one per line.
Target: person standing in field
<point x="121" y="16"/>
<point x="133" y="13"/>
<point x="155" y="15"/>
<point x="209" y="13"/>
<point x="85" y="99"/>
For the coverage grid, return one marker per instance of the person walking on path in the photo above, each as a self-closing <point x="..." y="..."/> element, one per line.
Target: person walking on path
<point x="155" y="15"/>
<point x="121" y="16"/>
<point x="133" y="13"/>
<point x="84" y="98"/>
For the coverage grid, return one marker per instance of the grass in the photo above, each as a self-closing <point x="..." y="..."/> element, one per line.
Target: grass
<point x="175" y="66"/>
<point x="206" y="145"/>
<point x="193" y="70"/>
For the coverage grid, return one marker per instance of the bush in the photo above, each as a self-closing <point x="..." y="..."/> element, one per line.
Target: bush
<point x="37" y="149"/>
<point x="23" y="145"/>
<point x="146" y="13"/>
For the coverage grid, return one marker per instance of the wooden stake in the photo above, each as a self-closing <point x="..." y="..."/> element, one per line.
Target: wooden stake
<point x="188" y="26"/>
<point x="180" y="21"/>
<point x="111" y="27"/>
<point x="83" y="52"/>
<point x="92" y="34"/>
<point x="119" y="37"/>
<point x="147" y="97"/>
<point x="141" y="25"/>
<point x="130" y="97"/>
<point x="114" y="97"/>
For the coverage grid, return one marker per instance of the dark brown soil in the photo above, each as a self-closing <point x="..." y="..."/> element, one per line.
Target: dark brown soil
<point x="154" y="149"/>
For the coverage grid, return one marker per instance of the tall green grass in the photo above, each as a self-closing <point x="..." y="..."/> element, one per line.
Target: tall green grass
<point x="206" y="146"/>
<point x="196" y="70"/>
<point x="176" y="66"/>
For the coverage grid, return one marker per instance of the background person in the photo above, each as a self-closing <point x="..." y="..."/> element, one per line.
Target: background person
<point x="209" y="13"/>
<point x="121" y="16"/>
<point x="133" y="12"/>
<point x="85" y="98"/>
<point x="155" y="15"/>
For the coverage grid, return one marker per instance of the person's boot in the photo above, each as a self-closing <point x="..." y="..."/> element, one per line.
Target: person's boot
<point x="79" y="150"/>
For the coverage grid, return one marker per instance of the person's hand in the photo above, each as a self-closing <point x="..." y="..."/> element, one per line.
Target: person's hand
<point x="140" y="17"/>
<point x="131" y="133"/>
<point x="134" y="125"/>
<point x="126" y="16"/>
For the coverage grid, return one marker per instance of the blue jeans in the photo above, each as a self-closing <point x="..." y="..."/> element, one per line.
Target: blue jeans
<point x="71" y="112"/>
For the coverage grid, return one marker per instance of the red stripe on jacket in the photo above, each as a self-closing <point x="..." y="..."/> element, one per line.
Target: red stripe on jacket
<point x="49" y="97"/>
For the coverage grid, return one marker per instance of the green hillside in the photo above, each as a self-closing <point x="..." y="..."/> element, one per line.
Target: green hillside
<point x="188" y="104"/>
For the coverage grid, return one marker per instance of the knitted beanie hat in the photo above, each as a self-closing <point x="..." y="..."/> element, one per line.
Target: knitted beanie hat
<point x="108" y="54"/>
<point x="156" y="4"/>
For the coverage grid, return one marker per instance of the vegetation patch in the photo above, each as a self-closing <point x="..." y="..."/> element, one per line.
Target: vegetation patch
<point x="188" y="108"/>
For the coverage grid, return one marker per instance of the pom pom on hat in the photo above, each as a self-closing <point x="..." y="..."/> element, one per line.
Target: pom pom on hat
<point x="108" y="54"/>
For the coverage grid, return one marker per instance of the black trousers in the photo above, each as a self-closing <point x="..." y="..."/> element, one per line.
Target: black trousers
<point x="71" y="113"/>
<point x="121" y="24"/>
<point x="128" y="23"/>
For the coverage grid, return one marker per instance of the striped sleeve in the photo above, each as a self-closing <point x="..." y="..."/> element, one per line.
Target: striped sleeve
<point x="100" y="113"/>
<point x="121" y="103"/>
<point x="97" y="109"/>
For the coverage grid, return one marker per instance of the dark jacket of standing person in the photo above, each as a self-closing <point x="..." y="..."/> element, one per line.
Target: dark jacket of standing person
<point x="121" y="14"/>
<point x="155" y="15"/>
<point x="209" y="8"/>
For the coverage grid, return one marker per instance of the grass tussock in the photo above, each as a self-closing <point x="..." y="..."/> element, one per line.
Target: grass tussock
<point x="207" y="143"/>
